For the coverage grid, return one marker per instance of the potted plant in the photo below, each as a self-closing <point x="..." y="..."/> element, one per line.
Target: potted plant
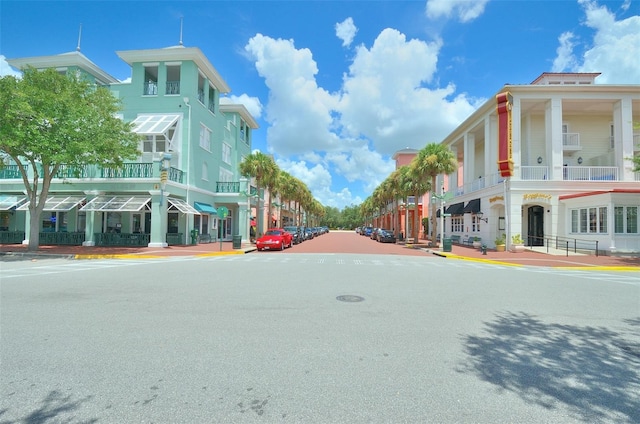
<point x="501" y="243"/>
<point x="517" y="244"/>
<point x="477" y="242"/>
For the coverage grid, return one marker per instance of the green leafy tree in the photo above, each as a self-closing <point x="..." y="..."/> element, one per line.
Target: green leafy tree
<point x="48" y="120"/>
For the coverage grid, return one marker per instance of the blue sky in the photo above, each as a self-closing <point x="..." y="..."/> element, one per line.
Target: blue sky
<point x="338" y="86"/>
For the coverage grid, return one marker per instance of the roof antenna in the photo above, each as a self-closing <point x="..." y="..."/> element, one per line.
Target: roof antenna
<point x="181" y="19"/>
<point x="79" y="38"/>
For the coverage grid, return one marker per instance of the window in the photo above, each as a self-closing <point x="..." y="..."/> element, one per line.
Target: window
<point x="475" y="224"/>
<point x="150" y="80"/>
<point x="457" y="224"/>
<point x="205" y="171"/>
<point x="205" y="138"/>
<point x="589" y="220"/>
<point x="212" y="99"/>
<point x="154" y="144"/>
<point x="173" y="79"/>
<point x="225" y="176"/>
<point x="226" y="153"/>
<point x="626" y="219"/>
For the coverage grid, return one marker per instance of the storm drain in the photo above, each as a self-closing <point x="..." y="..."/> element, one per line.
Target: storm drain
<point x="350" y="298"/>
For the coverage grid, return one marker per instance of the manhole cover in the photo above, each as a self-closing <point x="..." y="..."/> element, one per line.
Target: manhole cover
<point x="350" y="298"/>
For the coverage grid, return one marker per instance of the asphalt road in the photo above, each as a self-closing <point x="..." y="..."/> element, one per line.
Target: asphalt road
<point x="301" y="337"/>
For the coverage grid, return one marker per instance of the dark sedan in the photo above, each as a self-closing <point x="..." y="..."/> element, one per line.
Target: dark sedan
<point x="385" y="236"/>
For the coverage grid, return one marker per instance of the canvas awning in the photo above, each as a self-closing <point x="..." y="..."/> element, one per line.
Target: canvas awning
<point x="182" y="206"/>
<point x="455" y="209"/>
<point x="8" y="202"/>
<point x="205" y="207"/>
<point x="57" y="203"/>
<point x="117" y="203"/>
<point x="473" y="206"/>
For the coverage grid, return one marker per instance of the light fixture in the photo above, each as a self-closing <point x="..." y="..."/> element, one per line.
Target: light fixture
<point x="579" y="160"/>
<point x="539" y="159"/>
<point x="479" y="216"/>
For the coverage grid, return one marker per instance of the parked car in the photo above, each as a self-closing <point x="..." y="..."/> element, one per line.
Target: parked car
<point x="275" y="239"/>
<point x="374" y="234"/>
<point x="386" y="236"/>
<point x="298" y="237"/>
<point x="366" y="231"/>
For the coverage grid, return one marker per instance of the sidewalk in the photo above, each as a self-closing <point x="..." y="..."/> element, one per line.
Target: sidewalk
<point x="539" y="257"/>
<point x="97" y="252"/>
<point x="557" y="259"/>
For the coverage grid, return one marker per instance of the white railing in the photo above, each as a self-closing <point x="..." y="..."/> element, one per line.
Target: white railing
<point x="571" y="140"/>
<point x="637" y="176"/>
<point x="590" y="173"/>
<point x="534" y="172"/>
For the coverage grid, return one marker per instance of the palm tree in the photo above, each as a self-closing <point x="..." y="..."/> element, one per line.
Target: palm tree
<point x="417" y="185"/>
<point x="287" y="188"/>
<point x="431" y="161"/>
<point x="260" y="167"/>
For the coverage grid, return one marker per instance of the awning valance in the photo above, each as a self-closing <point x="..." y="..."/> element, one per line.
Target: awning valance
<point x="473" y="206"/>
<point x="117" y="203"/>
<point x="205" y="207"/>
<point x="455" y="209"/>
<point x="8" y="202"/>
<point x="57" y="203"/>
<point x="182" y="206"/>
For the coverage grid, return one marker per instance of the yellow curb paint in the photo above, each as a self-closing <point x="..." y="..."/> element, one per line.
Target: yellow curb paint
<point x="490" y="261"/>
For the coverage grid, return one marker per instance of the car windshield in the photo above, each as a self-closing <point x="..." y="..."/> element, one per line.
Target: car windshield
<point x="273" y="233"/>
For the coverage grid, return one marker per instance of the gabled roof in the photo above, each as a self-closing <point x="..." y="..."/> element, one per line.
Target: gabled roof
<point x="177" y="53"/>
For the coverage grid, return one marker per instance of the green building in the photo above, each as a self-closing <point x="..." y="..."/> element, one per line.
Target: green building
<point x="184" y="187"/>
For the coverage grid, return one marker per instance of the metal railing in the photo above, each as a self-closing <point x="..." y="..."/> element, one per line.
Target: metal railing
<point x="176" y="175"/>
<point x="11" y="237"/>
<point x="62" y="238"/>
<point x="567" y="244"/>
<point x="590" y="173"/>
<point x="534" y="172"/>
<point x="121" y="239"/>
<point x="129" y="170"/>
<point x="150" y="88"/>
<point x="173" y="87"/>
<point x="175" y="239"/>
<point x="227" y="187"/>
<point x="11" y="172"/>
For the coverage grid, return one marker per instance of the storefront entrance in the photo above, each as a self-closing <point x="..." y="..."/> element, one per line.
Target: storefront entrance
<point x="535" y="227"/>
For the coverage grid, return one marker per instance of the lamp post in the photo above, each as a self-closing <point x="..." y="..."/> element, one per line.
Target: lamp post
<point x="442" y="199"/>
<point x="165" y="164"/>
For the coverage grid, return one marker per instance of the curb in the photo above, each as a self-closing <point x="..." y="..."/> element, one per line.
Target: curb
<point x="466" y="258"/>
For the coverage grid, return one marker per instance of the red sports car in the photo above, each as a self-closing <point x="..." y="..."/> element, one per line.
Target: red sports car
<point x="275" y="239"/>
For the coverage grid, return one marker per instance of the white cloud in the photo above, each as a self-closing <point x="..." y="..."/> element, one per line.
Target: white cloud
<point x="346" y="31"/>
<point x="6" y="69"/>
<point x="464" y="10"/>
<point x="253" y="104"/>
<point x="614" y="51"/>
<point x="565" y="58"/>
<point x="384" y="105"/>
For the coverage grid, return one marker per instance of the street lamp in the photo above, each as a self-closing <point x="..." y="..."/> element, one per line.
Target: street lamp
<point x="165" y="164"/>
<point x="441" y="197"/>
<point x="479" y="216"/>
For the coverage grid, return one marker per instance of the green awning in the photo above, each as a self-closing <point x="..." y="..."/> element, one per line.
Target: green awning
<point x="205" y="207"/>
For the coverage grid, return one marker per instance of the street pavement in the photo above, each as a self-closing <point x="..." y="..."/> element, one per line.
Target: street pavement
<point x="336" y="242"/>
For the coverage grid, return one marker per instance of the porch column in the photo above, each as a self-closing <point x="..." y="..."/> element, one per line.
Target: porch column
<point x="553" y="138"/>
<point x="516" y="138"/>
<point x="158" y="219"/>
<point x="490" y="149"/>
<point x="469" y="161"/>
<point x="623" y="138"/>
<point x="27" y="227"/>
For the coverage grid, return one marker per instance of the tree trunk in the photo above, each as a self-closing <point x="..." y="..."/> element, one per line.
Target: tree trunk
<point x="434" y="220"/>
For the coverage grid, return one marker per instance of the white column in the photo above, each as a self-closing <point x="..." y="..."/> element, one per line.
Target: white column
<point x="516" y="137"/>
<point x="553" y="137"/>
<point x="623" y="136"/>
<point x="469" y="161"/>
<point x="490" y="148"/>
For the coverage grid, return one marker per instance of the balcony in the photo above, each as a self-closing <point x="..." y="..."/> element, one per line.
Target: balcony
<point x="534" y="173"/>
<point x="150" y="88"/>
<point x="173" y="87"/>
<point x="11" y="172"/>
<point x="227" y="187"/>
<point x="590" y="173"/>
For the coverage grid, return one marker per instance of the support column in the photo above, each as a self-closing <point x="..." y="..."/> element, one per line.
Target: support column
<point x="469" y="161"/>
<point x="623" y="136"/>
<point x="158" y="219"/>
<point x="553" y="138"/>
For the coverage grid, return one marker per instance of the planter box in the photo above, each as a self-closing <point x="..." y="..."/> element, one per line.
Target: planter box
<point x="500" y="247"/>
<point x="516" y="248"/>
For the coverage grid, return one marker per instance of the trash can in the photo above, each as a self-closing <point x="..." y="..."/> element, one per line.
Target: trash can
<point x="237" y="242"/>
<point x="194" y="236"/>
<point x="446" y="245"/>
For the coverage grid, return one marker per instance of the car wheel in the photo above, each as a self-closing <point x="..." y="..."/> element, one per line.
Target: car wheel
<point x="282" y="246"/>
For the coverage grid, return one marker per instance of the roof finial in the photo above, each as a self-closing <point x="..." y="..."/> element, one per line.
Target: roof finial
<point x="79" y="38"/>
<point x="181" y="19"/>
